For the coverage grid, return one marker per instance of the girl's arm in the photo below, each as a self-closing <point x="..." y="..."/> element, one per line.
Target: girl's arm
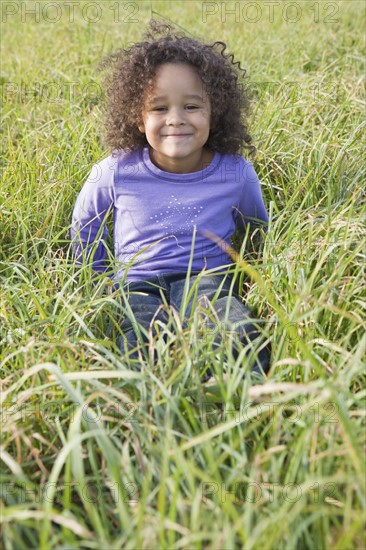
<point x="93" y="204"/>
<point x="251" y="206"/>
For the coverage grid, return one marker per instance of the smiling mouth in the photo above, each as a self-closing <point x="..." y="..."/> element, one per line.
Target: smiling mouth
<point x="177" y="135"/>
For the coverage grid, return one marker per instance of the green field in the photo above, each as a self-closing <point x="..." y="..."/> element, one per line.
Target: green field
<point x="95" y="455"/>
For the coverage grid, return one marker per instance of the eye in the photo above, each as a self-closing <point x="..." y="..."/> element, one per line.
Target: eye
<point x="192" y="107"/>
<point x="159" y="109"/>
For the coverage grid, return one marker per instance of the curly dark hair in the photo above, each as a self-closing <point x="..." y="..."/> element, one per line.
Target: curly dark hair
<point x="132" y="77"/>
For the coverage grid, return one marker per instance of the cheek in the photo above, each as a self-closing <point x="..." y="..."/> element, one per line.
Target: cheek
<point x="206" y="117"/>
<point x="206" y="121"/>
<point x="151" y="129"/>
<point x="150" y="122"/>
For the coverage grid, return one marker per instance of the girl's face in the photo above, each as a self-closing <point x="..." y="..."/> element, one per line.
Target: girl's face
<point x="176" y="120"/>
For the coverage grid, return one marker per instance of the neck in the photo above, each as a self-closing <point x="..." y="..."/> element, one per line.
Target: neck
<point x="185" y="165"/>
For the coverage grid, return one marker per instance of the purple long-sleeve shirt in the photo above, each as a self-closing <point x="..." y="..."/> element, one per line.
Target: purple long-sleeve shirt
<point x="157" y="214"/>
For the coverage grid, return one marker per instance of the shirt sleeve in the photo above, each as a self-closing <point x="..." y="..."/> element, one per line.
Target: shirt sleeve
<point x="251" y="209"/>
<point x="88" y="228"/>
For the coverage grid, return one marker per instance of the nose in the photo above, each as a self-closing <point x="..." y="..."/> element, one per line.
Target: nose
<point x="175" y="117"/>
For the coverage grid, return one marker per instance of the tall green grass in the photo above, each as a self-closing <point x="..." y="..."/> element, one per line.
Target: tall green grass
<point x="97" y="455"/>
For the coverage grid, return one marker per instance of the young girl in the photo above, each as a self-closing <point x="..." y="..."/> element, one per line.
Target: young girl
<point x="175" y="178"/>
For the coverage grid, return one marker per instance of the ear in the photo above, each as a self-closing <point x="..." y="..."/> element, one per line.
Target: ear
<point x="141" y="128"/>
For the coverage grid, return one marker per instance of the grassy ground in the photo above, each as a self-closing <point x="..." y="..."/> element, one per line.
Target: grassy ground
<point x="97" y="456"/>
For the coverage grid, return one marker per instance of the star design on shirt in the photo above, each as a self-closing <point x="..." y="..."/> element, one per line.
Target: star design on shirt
<point x="176" y="209"/>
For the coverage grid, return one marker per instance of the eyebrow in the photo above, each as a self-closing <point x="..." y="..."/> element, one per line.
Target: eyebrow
<point x="187" y="96"/>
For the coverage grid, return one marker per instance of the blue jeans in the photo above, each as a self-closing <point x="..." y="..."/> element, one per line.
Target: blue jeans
<point x="216" y="294"/>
